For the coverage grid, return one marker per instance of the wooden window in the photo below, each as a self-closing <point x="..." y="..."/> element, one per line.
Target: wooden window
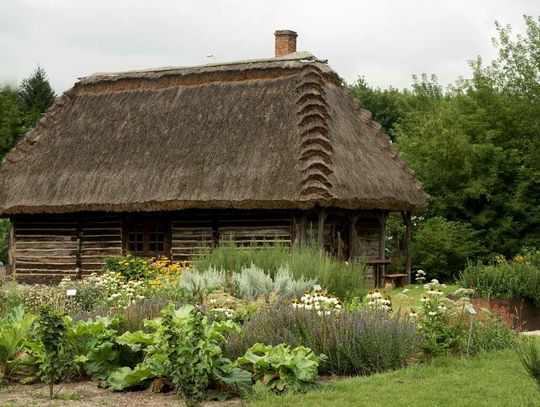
<point x="147" y="237"/>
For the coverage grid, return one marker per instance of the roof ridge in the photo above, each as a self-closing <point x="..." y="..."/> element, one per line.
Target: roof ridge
<point x="315" y="146"/>
<point x="302" y="56"/>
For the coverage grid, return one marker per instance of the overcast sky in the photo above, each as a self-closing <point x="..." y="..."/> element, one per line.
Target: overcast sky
<point x="385" y="41"/>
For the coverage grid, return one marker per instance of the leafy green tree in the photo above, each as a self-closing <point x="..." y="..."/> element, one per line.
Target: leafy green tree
<point x="476" y="146"/>
<point x="36" y="95"/>
<point x="11" y="119"/>
<point x="386" y="105"/>
<point x="441" y="248"/>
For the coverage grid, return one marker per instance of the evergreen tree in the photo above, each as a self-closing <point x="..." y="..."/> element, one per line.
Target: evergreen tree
<point x="36" y="94"/>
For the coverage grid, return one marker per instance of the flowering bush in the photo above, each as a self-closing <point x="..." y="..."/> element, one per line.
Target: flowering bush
<point x="359" y="342"/>
<point x="318" y="300"/>
<point x="440" y="321"/>
<point x="376" y="300"/>
<point x="164" y="272"/>
<point x="447" y="325"/>
<point x="116" y="291"/>
<point x="220" y="305"/>
<point x="420" y="276"/>
<point x="39" y="296"/>
<point x="128" y="266"/>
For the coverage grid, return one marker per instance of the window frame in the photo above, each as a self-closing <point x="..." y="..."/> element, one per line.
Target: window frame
<point x="147" y="222"/>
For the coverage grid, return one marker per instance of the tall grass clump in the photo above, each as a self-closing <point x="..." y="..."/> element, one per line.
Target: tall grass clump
<point x="506" y="279"/>
<point x="344" y="279"/>
<point x="359" y="342"/>
<point x="529" y="356"/>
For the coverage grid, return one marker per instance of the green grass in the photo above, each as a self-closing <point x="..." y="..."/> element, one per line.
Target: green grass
<point x="495" y="379"/>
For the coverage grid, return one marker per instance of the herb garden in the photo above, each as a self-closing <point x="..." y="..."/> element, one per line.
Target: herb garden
<point x="262" y="327"/>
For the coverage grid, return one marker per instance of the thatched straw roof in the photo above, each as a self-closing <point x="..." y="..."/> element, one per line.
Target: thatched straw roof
<point x="279" y="133"/>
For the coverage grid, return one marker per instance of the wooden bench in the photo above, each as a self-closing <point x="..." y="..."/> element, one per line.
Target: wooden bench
<point x="397" y="280"/>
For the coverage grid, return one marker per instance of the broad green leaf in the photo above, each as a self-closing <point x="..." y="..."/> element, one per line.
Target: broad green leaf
<point x="125" y="377"/>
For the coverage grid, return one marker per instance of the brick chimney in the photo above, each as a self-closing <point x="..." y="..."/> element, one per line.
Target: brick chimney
<point x="285" y="42"/>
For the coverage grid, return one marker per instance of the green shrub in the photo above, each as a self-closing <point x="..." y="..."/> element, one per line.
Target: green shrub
<point x="181" y="346"/>
<point x="506" y="279"/>
<point x="344" y="279"/>
<point x="93" y="346"/>
<point x="55" y="362"/>
<point x="358" y="342"/>
<point x="88" y="294"/>
<point x="442" y="247"/>
<point x="129" y="266"/>
<point x="491" y="334"/>
<point x="14" y="331"/>
<point x="252" y="282"/>
<point x="36" y="297"/>
<point x="281" y="368"/>
<point x="9" y="297"/>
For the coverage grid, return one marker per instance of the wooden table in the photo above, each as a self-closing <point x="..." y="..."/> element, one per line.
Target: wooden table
<point x="379" y="270"/>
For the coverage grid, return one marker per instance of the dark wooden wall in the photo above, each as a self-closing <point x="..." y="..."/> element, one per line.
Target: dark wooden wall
<point x="47" y="248"/>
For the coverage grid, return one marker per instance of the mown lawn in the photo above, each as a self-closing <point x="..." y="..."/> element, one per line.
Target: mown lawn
<point x="495" y="379"/>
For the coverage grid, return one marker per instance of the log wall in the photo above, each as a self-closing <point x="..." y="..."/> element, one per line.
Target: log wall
<point x="47" y="248"/>
<point x="367" y="236"/>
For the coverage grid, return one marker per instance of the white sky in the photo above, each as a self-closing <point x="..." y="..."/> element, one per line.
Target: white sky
<point x="387" y="41"/>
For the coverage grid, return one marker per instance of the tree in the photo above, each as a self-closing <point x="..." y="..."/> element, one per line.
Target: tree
<point x="386" y="105"/>
<point x="36" y="94"/>
<point x="11" y="119"/>
<point x="476" y="146"/>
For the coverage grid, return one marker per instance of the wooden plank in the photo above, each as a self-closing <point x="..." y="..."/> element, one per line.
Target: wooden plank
<point x="44" y="246"/>
<point x="40" y="268"/>
<point x="43" y="238"/>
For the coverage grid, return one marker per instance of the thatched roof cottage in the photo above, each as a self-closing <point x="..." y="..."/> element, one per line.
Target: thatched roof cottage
<point x="163" y="161"/>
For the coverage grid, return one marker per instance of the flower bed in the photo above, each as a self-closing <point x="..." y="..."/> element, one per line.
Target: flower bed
<point x="152" y="323"/>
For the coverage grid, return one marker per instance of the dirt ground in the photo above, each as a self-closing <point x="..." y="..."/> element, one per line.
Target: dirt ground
<point x="87" y="394"/>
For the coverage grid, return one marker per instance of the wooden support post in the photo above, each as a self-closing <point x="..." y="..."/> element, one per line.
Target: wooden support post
<point x="382" y="216"/>
<point x="320" y="229"/>
<point x="408" y="244"/>
<point x="78" y="258"/>
<point x="11" y="270"/>
<point x="353" y="218"/>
